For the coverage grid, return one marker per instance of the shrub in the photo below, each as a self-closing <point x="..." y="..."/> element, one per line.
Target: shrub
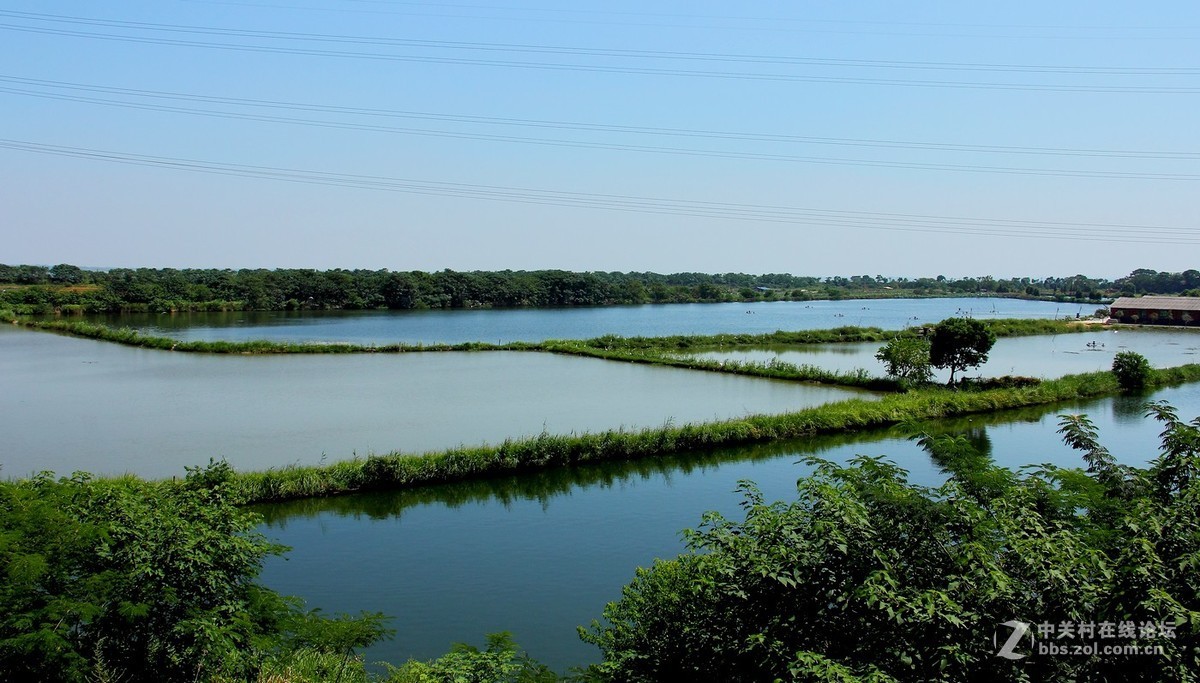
<point x="1132" y="370"/>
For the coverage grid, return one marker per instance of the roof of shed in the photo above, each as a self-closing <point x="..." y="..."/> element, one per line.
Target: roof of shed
<point x="1158" y="303"/>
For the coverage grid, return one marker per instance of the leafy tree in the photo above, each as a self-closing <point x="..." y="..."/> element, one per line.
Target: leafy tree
<point x="960" y="343"/>
<point x="868" y="577"/>
<point x="906" y="358"/>
<point x="140" y="581"/>
<point x="1132" y="370"/>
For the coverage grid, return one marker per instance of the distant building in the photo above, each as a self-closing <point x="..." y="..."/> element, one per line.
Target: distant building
<point x="1156" y="310"/>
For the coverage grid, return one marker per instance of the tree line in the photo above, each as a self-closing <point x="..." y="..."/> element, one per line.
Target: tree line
<point x="68" y="288"/>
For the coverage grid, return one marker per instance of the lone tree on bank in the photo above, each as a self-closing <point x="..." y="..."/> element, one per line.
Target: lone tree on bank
<point x="960" y="343"/>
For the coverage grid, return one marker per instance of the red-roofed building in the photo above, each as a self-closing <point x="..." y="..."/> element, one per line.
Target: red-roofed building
<point x="1156" y="310"/>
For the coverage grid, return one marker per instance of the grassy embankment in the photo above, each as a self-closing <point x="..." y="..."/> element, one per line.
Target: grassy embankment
<point x="547" y="451"/>
<point x="666" y="350"/>
<point x="398" y="471"/>
<point x="663" y="351"/>
<point x="131" y="337"/>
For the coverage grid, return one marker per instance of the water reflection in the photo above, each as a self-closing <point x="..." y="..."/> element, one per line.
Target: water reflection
<point x="507" y="325"/>
<point x="541" y="553"/>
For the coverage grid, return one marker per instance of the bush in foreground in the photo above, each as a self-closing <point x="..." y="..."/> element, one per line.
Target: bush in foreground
<point x="127" y="580"/>
<point x="868" y="577"/>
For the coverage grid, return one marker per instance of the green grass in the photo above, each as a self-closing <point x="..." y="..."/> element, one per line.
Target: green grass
<point x="773" y="369"/>
<point x="644" y="350"/>
<point x="1002" y="328"/>
<point x="399" y="471"/>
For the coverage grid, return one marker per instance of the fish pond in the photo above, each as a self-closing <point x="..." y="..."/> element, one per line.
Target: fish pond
<point x="73" y="404"/>
<point x="540" y="554"/>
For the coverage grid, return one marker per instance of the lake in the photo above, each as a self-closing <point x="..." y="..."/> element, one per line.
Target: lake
<point x="541" y="554"/>
<point x="74" y="404"/>
<point x="532" y="325"/>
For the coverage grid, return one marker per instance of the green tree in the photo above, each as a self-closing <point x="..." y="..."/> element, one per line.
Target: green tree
<point x="906" y="358"/>
<point x="868" y="577"/>
<point x="960" y="343"/>
<point x="141" y="581"/>
<point x="1132" y="370"/>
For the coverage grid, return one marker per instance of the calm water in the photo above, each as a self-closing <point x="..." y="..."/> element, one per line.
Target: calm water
<point x="427" y="327"/>
<point x="71" y="404"/>
<point x="1042" y="356"/>
<point x="539" y="555"/>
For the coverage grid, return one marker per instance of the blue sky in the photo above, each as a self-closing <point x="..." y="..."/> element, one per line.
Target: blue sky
<point x="1022" y="138"/>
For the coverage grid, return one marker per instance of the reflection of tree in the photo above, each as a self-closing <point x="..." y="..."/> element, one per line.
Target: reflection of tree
<point x="1129" y="408"/>
<point x="544" y="486"/>
<point x="980" y="440"/>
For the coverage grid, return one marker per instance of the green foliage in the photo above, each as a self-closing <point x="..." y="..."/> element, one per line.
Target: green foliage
<point x="869" y="577"/>
<point x="1132" y="370"/>
<point x="134" y="581"/>
<point x="336" y="637"/>
<point x="960" y="343"/>
<point x="500" y="662"/>
<point x="64" y="287"/>
<point x="906" y="358"/>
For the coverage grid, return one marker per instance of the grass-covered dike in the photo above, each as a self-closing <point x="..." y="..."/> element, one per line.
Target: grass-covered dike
<point x="660" y="351"/>
<point x="399" y="470"/>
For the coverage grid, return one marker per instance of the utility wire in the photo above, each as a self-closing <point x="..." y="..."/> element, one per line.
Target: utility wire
<point x="593" y="127"/>
<point x="551" y="142"/>
<point x="888" y="222"/>
<point x="607" y="52"/>
<point x="596" y="68"/>
<point x="788" y="24"/>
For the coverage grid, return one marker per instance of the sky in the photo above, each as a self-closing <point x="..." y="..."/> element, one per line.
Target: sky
<point x="815" y="138"/>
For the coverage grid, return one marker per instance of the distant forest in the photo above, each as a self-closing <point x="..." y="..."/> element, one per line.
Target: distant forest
<point x="65" y="288"/>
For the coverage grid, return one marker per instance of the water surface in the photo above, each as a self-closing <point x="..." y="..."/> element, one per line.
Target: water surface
<point x="1044" y="356"/>
<point x="75" y="404"/>
<point x="542" y="553"/>
<point x="524" y="324"/>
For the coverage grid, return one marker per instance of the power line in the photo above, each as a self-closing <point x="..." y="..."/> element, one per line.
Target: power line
<point x="596" y="68"/>
<point x="603" y="128"/>
<point x="890" y="222"/>
<point x="551" y="142"/>
<point x="608" y="52"/>
<point x="1144" y="32"/>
